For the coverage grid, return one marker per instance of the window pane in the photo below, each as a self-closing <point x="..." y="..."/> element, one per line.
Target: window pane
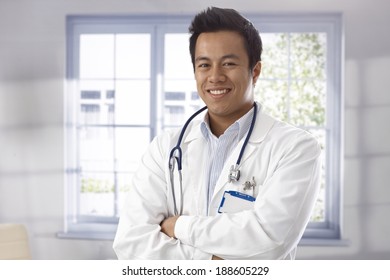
<point x="96" y="56"/>
<point x="132" y="102"/>
<point x="307" y="103"/>
<point x="174" y="115"/>
<point x="102" y="172"/>
<point x="96" y="102"/>
<point x="274" y="97"/>
<point x="96" y="148"/>
<point x="274" y="56"/>
<point x="96" y="194"/>
<point x="131" y="144"/>
<point x="179" y="84"/>
<point x="181" y="100"/>
<point x="292" y="87"/>
<point x="177" y="59"/>
<point x="124" y="183"/>
<point x="172" y="95"/>
<point x="319" y="213"/>
<point x="308" y="55"/>
<point x="132" y="56"/>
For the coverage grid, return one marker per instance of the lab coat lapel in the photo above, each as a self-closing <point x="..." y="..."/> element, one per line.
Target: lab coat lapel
<point x="196" y="175"/>
<point x="262" y="127"/>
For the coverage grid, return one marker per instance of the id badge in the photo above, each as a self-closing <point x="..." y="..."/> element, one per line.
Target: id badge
<point x="233" y="202"/>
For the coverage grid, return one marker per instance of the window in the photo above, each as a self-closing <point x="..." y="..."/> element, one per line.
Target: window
<point x="129" y="78"/>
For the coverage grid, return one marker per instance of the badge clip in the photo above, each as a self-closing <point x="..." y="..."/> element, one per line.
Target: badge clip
<point x="250" y="184"/>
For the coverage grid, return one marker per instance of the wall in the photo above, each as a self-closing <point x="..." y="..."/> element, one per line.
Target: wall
<point x="32" y="67"/>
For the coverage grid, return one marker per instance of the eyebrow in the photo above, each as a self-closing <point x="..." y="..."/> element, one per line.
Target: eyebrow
<point x="232" y="56"/>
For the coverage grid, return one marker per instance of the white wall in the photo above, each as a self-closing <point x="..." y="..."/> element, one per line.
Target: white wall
<point x="32" y="67"/>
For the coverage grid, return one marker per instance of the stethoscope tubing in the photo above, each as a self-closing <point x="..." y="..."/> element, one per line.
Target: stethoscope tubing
<point x="175" y="157"/>
<point x="248" y="135"/>
<point x="177" y="147"/>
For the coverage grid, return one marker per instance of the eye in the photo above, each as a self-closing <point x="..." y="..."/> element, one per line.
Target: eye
<point x="203" y="65"/>
<point x="229" y="64"/>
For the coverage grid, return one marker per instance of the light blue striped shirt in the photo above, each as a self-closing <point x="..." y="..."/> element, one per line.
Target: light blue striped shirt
<point x="219" y="149"/>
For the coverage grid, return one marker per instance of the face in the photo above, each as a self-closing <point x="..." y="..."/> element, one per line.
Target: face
<point x="222" y="74"/>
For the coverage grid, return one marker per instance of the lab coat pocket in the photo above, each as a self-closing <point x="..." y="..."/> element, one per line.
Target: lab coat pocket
<point x="249" y="187"/>
<point x="233" y="202"/>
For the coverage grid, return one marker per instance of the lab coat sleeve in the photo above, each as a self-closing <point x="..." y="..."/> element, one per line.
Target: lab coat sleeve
<point x="281" y="212"/>
<point x="138" y="235"/>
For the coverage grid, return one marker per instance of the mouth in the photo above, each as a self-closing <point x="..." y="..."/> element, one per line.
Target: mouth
<point x="218" y="92"/>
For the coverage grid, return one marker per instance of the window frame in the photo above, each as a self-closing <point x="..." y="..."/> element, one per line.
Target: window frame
<point x="330" y="23"/>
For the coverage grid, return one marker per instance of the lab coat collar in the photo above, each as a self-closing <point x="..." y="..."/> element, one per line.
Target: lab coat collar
<point x="194" y="131"/>
<point x="263" y="124"/>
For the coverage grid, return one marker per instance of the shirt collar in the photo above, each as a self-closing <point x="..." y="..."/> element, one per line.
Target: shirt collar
<point x="241" y="125"/>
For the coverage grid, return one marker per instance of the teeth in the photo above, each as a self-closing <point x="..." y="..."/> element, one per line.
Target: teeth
<point x="219" y="91"/>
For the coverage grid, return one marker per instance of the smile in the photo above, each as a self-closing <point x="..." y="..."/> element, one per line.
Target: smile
<point x="218" y="91"/>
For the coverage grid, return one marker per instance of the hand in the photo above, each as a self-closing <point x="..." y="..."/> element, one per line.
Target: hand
<point x="168" y="226"/>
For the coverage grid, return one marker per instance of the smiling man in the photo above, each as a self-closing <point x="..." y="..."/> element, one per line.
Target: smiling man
<point x="247" y="182"/>
<point x="225" y="80"/>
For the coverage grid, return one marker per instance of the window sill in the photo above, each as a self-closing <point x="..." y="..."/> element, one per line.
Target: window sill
<point x="87" y="235"/>
<point x="324" y="242"/>
<point x="110" y="236"/>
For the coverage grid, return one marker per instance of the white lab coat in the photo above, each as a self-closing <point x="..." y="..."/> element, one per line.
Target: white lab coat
<point x="285" y="162"/>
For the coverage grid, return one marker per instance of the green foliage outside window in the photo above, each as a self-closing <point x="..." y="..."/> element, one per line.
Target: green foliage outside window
<point x="93" y="185"/>
<point x="292" y="86"/>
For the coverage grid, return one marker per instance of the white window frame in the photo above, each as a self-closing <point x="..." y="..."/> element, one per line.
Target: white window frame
<point x="104" y="228"/>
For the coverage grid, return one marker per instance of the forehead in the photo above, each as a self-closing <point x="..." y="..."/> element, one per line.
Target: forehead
<point x="220" y="43"/>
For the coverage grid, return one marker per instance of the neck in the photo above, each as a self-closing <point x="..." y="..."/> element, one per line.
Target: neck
<point x="219" y="127"/>
<point x="219" y="124"/>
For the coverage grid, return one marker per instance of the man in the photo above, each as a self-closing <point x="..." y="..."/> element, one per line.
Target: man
<point x="260" y="215"/>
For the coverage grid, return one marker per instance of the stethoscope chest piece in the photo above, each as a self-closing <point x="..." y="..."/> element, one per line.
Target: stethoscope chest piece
<point x="234" y="174"/>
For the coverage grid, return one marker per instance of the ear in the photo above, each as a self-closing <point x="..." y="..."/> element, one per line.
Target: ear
<point x="256" y="72"/>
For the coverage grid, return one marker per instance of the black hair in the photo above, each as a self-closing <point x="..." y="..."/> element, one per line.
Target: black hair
<point x="215" y="19"/>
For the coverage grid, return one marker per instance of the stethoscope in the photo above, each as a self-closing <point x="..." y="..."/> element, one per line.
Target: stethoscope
<point x="175" y="157"/>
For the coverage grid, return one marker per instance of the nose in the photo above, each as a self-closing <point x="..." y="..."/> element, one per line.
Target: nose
<point x="216" y="75"/>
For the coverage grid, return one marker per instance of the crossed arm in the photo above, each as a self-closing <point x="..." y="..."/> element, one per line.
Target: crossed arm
<point x="168" y="227"/>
